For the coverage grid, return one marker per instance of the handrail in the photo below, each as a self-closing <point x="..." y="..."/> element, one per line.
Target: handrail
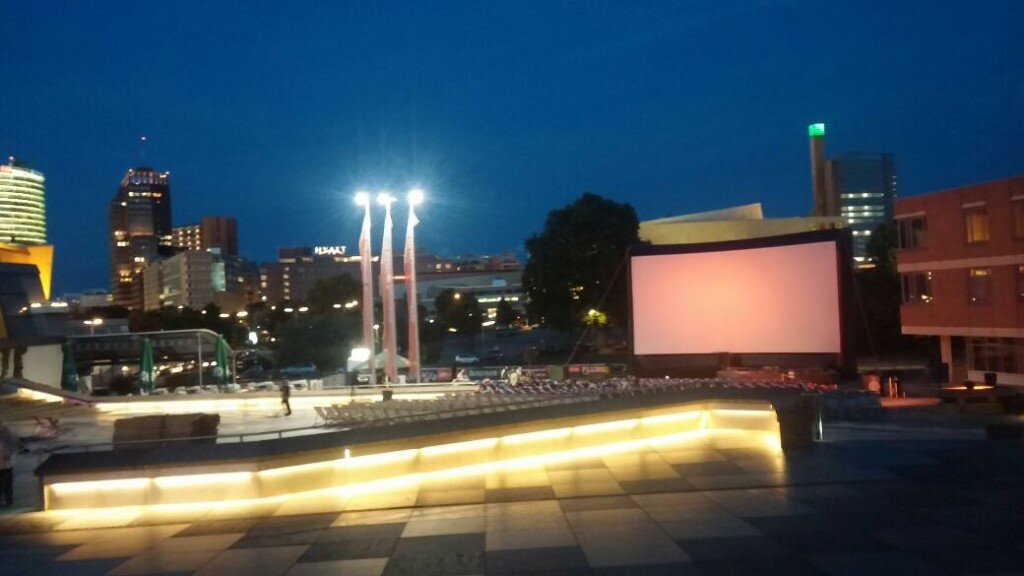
<point x="247" y="436"/>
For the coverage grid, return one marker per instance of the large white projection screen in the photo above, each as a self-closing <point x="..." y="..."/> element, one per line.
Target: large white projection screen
<point x="780" y="299"/>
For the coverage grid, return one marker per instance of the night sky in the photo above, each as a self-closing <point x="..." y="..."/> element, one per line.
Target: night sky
<point x="277" y="112"/>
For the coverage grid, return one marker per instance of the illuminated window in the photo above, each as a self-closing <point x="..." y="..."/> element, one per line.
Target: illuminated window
<point x="976" y="224"/>
<point x="979" y="285"/>
<point x="912" y="233"/>
<point x="917" y="287"/>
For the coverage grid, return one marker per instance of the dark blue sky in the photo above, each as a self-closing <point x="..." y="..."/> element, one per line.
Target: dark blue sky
<point x="276" y="112"/>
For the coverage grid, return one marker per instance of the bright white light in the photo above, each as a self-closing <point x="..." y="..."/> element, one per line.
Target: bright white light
<point x="384" y="198"/>
<point x="289" y="310"/>
<point x="362" y="198"/>
<point x="488" y="323"/>
<point x="359" y="355"/>
<point x="241" y="313"/>
<point x="415" y="196"/>
<point x="337" y="306"/>
<point x="253" y="338"/>
<point x="352" y="304"/>
<point x="304" y="309"/>
<point x="224" y="315"/>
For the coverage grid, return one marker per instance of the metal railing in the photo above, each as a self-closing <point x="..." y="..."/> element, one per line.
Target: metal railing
<point x="316" y="428"/>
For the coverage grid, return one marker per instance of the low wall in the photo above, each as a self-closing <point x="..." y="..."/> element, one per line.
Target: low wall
<point x="359" y="460"/>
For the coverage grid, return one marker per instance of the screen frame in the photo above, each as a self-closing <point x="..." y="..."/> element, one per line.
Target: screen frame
<point x="697" y="363"/>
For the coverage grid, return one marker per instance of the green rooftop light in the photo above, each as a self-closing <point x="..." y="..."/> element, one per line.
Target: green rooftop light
<point x="816" y="130"/>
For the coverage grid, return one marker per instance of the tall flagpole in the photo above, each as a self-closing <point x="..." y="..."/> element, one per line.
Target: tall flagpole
<point x="366" y="269"/>
<point x="387" y="293"/>
<point x="409" y="261"/>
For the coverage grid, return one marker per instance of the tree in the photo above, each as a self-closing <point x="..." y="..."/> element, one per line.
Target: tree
<point x="879" y="296"/>
<point x="506" y="313"/>
<point x="577" y="259"/>
<point x="335" y="290"/>
<point x="458" y="310"/>
<point x="324" y="340"/>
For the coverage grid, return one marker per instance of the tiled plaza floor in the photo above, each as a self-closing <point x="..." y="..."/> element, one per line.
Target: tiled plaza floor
<point x="725" y="505"/>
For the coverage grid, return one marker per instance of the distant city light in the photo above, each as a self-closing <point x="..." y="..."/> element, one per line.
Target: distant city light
<point x="416" y="196"/>
<point x="384" y="198"/>
<point x="362" y="198"/>
<point x="815" y="130"/>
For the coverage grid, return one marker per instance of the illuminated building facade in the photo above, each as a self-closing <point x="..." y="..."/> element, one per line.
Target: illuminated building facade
<point x="961" y="267"/>
<point x="218" y="232"/>
<point x="859" y="187"/>
<point x="22" y="205"/>
<point x="23" y="221"/>
<point x="866" y="185"/>
<point x="298" y="268"/>
<point x="140" y="231"/>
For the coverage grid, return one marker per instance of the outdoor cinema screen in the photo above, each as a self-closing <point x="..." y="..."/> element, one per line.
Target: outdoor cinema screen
<point x="776" y="299"/>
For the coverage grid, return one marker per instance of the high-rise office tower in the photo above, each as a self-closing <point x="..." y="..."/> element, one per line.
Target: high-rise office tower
<point x="865" y="183"/>
<point x="140" y="231"/>
<point x="826" y="203"/>
<point x="23" y="220"/>
<point x="22" y="205"/>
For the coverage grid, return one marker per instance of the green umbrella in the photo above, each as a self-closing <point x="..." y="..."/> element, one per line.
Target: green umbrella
<point x="146" y="366"/>
<point x="221" y="372"/>
<point x="69" y="371"/>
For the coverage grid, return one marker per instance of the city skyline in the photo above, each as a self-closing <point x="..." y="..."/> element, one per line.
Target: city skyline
<point x="280" y="133"/>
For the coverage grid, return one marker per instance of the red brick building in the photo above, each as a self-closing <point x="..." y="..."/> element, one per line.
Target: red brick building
<point x="961" y="265"/>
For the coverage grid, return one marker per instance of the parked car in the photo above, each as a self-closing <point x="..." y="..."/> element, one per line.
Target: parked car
<point x="466" y="359"/>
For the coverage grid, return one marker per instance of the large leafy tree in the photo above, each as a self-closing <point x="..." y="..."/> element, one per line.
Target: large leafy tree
<point x="335" y="290"/>
<point x="577" y="258"/>
<point x="458" y="310"/>
<point x="879" y="298"/>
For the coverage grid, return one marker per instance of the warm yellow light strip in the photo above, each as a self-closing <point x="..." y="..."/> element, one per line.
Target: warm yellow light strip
<point x="771" y="441"/>
<point x="186" y="480"/>
<point x="39" y="395"/>
<point x="469" y="446"/>
<point x="93" y="485"/>
<point x="244" y="482"/>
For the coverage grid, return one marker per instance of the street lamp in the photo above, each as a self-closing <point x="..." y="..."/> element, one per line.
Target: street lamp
<point x="366" y="269"/>
<point x="92" y="324"/>
<point x="387" y="291"/>
<point x="409" y="261"/>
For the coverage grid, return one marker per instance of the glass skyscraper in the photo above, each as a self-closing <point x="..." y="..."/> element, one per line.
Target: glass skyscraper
<point x="865" y="183"/>
<point x="22" y="205"/>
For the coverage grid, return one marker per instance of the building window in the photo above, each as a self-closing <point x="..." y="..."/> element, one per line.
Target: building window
<point x="979" y="286"/>
<point x="976" y="224"/>
<point x="1018" y="218"/>
<point x="1020" y="283"/>
<point x="916" y="287"/>
<point x="912" y="233"/>
<point x="994" y="354"/>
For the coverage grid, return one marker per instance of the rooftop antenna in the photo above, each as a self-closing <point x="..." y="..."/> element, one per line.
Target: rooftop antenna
<point x="142" y="149"/>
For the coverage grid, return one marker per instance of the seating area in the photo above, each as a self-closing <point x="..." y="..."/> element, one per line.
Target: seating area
<point x="641" y="386"/>
<point x="448" y="406"/>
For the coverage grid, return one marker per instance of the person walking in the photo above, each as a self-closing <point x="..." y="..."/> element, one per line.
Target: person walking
<point x="286" y="393"/>
<point x="8" y="446"/>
